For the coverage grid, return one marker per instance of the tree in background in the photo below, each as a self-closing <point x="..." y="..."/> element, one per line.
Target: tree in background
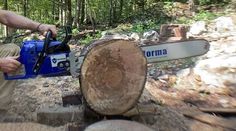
<point x="108" y="13"/>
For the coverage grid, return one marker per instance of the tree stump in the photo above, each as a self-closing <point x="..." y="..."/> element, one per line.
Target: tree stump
<point x="113" y="76"/>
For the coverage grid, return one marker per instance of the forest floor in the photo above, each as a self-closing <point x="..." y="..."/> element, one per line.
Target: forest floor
<point x="172" y="102"/>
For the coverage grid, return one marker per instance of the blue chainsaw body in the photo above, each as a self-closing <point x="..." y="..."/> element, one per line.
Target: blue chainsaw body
<point x="29" y="54"/>
<point x="48" y="58"/>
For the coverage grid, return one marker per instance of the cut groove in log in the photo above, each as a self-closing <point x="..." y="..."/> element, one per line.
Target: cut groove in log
<point x="113" y="76"/>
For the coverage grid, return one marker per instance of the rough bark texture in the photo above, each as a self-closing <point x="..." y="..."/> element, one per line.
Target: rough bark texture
<point x="113" y="76"/>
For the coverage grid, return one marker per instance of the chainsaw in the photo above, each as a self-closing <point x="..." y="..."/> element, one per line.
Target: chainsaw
<point x="50" y="58"/>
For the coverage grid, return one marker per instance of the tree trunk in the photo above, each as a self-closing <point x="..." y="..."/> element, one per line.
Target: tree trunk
<point x="192" y="6"/>
<point x="57" y="13"/>
<point x="77" y="21"/>
<point x="90" y="15"/>
<point x="53" y="10"/>
<point x="65" y="7"/>
<point x="69" y="13"/>
<point x="111" y="13"/>
<point x="113" y="75"/>
<point x="114" y="13"/>
<point x="5" y="8"/>
<point x="82" y="11"/>
<point x="5" y="5"/>
<point x="121" y="8"/>
<point x="61" y="12"/>
<point x="25" y="7"/>
<point x="40" y="14"/>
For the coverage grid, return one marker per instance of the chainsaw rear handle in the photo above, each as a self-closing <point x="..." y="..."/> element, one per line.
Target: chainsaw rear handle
<point x="15" y="76"/>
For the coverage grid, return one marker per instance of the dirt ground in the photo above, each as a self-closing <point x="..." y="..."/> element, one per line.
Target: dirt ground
<point x="35" y="94"/>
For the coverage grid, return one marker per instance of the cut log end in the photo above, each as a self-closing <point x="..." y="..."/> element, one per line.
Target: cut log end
<point x="113" y="75"/>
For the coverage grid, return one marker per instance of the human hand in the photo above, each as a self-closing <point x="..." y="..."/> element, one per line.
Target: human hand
<point x="9" y="64"/>
<point x="43" y="28"/>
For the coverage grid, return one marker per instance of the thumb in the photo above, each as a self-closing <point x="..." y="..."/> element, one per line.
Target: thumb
<point x="44" y="33"/>
<point x="15" y="57"/>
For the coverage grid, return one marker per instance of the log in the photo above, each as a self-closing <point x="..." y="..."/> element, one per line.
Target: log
<point x="210" y="119"/>
<point x="117" y="125"/>
<point x="27" y="126"/>
<point x="58" y="116"/>
<point x="113" y="76"/>
<point x="142" y="109"/>
<point x="222" y="111"/>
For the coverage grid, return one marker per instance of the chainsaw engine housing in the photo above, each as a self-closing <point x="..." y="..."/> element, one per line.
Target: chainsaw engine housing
<point x="46" y="58"/>
<point x="54" y="64"/>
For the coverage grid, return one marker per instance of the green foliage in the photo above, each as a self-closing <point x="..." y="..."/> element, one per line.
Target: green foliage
<point x="207" y="2"/>
<point x="138" y="27"/>
<point x="204" y="2"/>
<point x="135" y="15"/>
<point x="75" y="31"/>
<point x="184" y="20"/>
<point x="141" y="27"/>
<point x="203" y="15"/>
<point x="168" y="6"/>
<point x="121" y="28"/>
<point x="89" y="38"/>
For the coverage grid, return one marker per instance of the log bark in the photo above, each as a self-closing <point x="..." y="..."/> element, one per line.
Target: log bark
<point x="113" y="76"/>
<point x="222" y="111"/>
<point x="210" y="119"/>
<point x="117" y="125"/>
<point x="28" y="127"/>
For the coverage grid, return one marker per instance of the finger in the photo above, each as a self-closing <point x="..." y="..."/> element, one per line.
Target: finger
<point x="54" y="32"/>
<point x="11" y="70"/>
<point x="44" y="33"/>
<point x="15" y="62"/>
<point x="15" y="57"/>
<point x="8" y="70"/>
<point x="12" y="66"/>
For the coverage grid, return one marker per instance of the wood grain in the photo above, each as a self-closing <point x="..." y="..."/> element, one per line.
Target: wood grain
<point x="113" y="75"/>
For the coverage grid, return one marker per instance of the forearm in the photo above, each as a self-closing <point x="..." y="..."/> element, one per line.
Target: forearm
<point x="16" y="21"/>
